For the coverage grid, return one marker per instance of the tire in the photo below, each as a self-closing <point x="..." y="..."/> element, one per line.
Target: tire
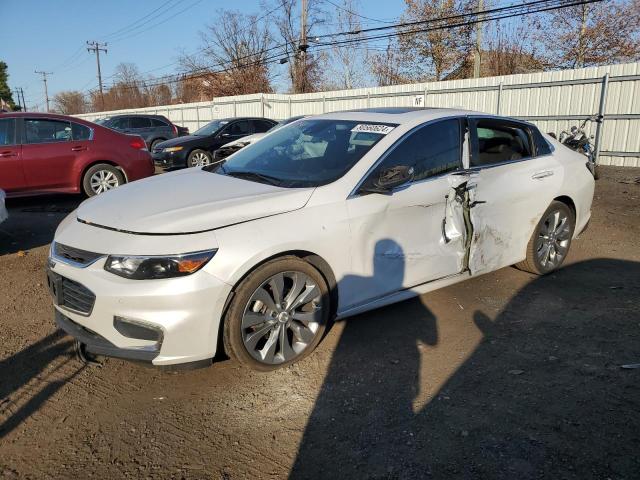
<point x="198" y="158"/>
<point x="266" y="338"/>
<point x="548" y="248"/>
<point x="100" y="178"/>
<point x="155" y="142"/>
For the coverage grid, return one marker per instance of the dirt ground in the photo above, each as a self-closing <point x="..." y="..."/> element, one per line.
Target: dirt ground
<point x="504" y="376"/>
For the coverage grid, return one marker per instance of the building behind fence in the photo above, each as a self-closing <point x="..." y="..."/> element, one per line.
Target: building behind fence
<point x="552" y="100"/>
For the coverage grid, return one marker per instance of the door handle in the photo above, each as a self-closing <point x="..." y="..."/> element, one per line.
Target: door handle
<point x="541" y="175"/>
<point x="7" y="153"/>
<point x="79" y="148"/>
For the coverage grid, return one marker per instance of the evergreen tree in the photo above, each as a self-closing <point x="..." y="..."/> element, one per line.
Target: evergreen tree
<point x="5" y="91"/>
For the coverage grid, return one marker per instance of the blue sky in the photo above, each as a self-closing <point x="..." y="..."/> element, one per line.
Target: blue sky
<point x="50" y="35"/>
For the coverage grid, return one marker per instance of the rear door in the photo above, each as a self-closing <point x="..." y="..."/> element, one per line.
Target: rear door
<point x="512" y="182"/>
<point x="261" y="126"/>
<point x="49" y="153"/>
<point x="141" y="126"/>
<point x="236" y="130"/>
<point x="11" y="171"/>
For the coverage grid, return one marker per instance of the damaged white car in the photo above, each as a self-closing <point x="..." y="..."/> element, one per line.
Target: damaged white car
<point x="325" y="218"/>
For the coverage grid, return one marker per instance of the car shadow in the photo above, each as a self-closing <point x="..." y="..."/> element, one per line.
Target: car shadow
<point x="33" y="221"/>
<point x="541" y="396"/>
<point x="32" y="376"/>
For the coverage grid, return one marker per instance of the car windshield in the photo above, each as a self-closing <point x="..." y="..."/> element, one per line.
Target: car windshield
<point x="100" y="121"/>
<point x="308" y="153"/>
<point x="210" y="128"/>
<point x="284" y="122"/>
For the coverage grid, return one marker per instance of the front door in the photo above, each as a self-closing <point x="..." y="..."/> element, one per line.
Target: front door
<point x="11" y="172"/>
<point x="510" y="187"/>
<point x="416" y="233"/>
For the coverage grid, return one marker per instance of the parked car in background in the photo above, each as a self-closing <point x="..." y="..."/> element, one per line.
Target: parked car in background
<point x="153" y="128"/>
<point x="197" y="149"/>
<point x="45" y="153"/>
<point x="3" y="209"/>
<point x="232" y="147"/>
<point x="327" y="217"/>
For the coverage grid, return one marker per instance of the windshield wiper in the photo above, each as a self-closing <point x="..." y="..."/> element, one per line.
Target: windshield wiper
<point x="256" y="176"/>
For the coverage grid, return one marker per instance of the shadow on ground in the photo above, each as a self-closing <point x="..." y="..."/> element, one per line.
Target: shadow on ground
<point x="33" y="221"/>
<point x="542" y="396"/>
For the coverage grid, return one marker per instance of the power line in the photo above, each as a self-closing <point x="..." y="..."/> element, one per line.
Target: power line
<point x="357" y="14"/>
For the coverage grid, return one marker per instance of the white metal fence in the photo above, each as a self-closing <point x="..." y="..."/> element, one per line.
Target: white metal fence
<point x="552" y="100"/>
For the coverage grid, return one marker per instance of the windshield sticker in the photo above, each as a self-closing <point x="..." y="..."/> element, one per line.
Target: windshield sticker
<point x="372" y="128"/>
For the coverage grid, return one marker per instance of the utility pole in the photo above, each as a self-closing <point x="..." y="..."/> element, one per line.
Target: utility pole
<point x="303" y="48"/>
<point x="24" y="104"/>
<point x="17" y="92"/>
<point x="96" y="48"/>
<point x="46" y="91"/>
<point x="477" y="58"/>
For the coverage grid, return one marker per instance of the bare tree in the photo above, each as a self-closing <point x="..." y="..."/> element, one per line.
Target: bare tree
<point x="306" y="68"/>
<point x="591" y="34"/>
<point x="70" y="103"/>
<point x="233" y="58"/>
<point x="349" y="62"/>
<point x="387" y="65"/>
<point x="434" y="53"/>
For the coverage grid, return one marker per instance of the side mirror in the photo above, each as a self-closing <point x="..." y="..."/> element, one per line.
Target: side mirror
<point x="388" y="179"/>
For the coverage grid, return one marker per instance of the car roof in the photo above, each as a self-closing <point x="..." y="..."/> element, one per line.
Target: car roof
<point x="399" y="115"/>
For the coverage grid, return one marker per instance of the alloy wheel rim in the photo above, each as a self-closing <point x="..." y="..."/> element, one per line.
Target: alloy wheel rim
<point x="200" y="159"/>
<point x="282" y="317"/>
<point x="553" y="239"/>
<point x="103" y="180"/>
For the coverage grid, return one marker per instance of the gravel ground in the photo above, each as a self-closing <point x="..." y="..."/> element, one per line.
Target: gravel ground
<point x="504" y="376"/>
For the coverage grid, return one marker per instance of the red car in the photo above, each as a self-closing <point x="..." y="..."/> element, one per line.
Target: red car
<point x="45" y="153"/>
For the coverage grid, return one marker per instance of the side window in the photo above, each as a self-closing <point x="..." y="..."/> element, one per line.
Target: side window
<point x="239" y="128"/>
<point x="46" y="131"/>
<point x="542" y="146"/>
<point x="139" y="122"/>
<point x="261" y="126"/>
<point x="499" y="142"/>
<point x="121" y="123"/>
<point x="432" y="150"/>
<point x="158" y="123"/>
<point x="80" y="132"/>
<point x="7" y="131"/>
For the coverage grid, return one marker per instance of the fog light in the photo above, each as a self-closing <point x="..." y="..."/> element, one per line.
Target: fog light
<point x="136" y="329"/>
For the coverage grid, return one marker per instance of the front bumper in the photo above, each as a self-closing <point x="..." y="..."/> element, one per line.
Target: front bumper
<point x="169" y="160"/>
<point x="186" y="311"/>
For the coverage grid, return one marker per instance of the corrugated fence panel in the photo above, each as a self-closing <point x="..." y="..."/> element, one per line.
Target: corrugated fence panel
<point x="553" y="100"/>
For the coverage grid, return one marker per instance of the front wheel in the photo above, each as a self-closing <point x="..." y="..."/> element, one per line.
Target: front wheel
<point x="100" y="178"/>
<point x="550" y="242"/>
<point x="199" y="158"/>
<point x="278" y="314"/>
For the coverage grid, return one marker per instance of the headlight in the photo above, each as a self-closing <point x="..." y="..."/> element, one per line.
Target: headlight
<point x="152" y="267"/>
<point x="172" y="149"/>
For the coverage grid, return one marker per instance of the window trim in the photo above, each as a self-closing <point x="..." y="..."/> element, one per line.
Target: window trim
<point x="474" y="145"/>
<point x="463" y="125"/>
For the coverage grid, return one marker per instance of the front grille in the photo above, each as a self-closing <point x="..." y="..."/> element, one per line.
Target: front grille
<point x="75" y="255"/>
<point x="76" y="296"/>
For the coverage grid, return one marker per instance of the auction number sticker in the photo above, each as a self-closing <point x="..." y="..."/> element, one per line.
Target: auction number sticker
<point x="372" y="128"/>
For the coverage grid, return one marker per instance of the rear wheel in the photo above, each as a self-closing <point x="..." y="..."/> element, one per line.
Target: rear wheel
<point x="550" y="242"/>
<point x="199" y="158"/>
<point x="100" y="178"/>
<point x="278" y="314"/>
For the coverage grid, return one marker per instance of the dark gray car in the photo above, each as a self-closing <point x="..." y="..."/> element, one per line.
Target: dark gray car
<point x="153" y="128"/>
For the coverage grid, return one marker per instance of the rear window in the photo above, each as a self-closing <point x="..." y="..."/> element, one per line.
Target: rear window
<point x="80" y="132"/>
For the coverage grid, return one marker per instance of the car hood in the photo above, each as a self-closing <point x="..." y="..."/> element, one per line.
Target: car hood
<point x="179" y="141"/>
<point x="188" y="201"/>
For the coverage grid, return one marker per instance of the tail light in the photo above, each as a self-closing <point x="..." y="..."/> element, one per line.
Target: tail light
<point x="138" y="143"/>
<point x="175" y="129"/>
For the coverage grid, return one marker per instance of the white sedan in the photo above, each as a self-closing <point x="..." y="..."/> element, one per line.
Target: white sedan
<point x="325" y="218"/>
